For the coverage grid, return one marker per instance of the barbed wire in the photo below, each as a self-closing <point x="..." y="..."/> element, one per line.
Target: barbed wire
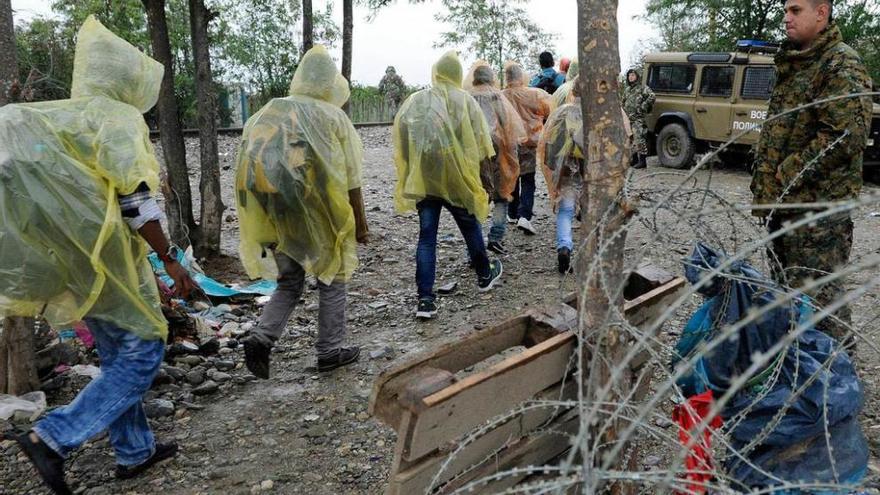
<point x="678" y="209"/>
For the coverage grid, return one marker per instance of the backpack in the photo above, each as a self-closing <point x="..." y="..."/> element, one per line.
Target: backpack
<point x="548" y="84"/>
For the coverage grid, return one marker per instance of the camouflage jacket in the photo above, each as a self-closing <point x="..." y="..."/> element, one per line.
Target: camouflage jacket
<point x="392" y="86"/>
<point x="814" y="155"/>
<point x="637" y="101"/>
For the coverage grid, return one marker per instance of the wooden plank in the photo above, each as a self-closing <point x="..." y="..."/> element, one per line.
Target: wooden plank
<point x="453" y="356"/>
<point x="534" y="450"/>
<point x="456" y="410"/>
<point x="418" y="476"/>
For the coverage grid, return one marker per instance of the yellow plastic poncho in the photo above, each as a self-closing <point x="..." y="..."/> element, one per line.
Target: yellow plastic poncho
<point x="440" y="138"/>
<point x="532" y="104"/>
<point x="561" y="150"/>
<point x="299" y="157"/>
<point x="505" y="125"/>
<point x="563" y="95"/>
<point x="65" y="250"/>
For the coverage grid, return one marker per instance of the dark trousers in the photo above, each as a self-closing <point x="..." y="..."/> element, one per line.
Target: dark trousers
<point x="426" y="252"/>
<point x="812" y="252"/>
<point x="523" y="202"/>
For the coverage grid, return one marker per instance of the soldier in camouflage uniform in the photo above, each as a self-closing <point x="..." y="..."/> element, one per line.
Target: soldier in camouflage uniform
<point x="393" y="88"/>
<point x="637" y="102"/>
<point x="814" y="155"/>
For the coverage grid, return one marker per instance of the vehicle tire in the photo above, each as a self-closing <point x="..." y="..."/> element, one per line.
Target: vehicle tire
<point x="675" y="147"/>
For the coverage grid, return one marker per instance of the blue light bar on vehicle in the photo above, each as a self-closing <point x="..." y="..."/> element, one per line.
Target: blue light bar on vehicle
<point x="756" y="46"/>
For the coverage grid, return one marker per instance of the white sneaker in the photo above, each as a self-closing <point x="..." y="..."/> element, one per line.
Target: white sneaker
<point x="526" y="226"/>
<point x="511" y="220"/>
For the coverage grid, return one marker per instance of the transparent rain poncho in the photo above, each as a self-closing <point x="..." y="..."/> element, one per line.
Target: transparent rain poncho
<point x="65" y="250"/>
<point x="505" y="125"/>
<point x="440" y="138"/>
<point x="299" y="157"/>
<point x="561" y="150"/>
<point x="563" y="95"/>
<point x="532" y="104"/>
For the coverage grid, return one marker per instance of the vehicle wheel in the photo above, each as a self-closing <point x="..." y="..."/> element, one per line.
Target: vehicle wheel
<point x="675" y="147"/>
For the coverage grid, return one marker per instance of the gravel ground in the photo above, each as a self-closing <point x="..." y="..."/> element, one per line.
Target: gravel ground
<point x="301" y="432"/>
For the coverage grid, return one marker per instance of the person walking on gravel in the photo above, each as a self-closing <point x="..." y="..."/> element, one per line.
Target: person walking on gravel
<point x="298" y="192"/>
<point x="508" y="132"/>
<point x="440" y="139"/>
<point x="637" y="102"/>
<point x="77" y="207"/>
<point x="533" y="107"/>
<point x="561" y="155"/>
<point x="814" y="155"/>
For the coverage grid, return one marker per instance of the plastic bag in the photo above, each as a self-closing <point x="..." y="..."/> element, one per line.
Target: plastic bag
<point x="299" y="157"/>
<point x="440" y="138"/>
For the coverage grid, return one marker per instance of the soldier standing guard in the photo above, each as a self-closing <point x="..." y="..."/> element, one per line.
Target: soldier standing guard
<point x="638" y="100"/>
<point x="813" y="156"/>
<point x="393" y="88"/>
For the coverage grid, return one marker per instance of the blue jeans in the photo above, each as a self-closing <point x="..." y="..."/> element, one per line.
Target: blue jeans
<point x="564" y="217"/>
<point x="499" y="222"/>
<point x="523" y="202"/>
<point x="112" y="401"/>
<point x="426" y="252"/>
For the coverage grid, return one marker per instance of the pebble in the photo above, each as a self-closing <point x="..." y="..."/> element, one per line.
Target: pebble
<point x="219" y="376"/>
<point x="159" y="408"/>
<point x="225" y="365"/>
<point x="209" y="387"/>
<point x="196" y="376"/>
<point x="230" y="329"/>
<point x="267" y="485"/>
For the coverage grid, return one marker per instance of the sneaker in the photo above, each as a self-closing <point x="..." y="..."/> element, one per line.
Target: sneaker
<point x="563" y="259"/>
<point x="344" y="356"/>
<point x="426" y="309"/>
<point x="512" y="220"/>
<point x="496" y="247"/>
<point x="525" y="225"/>
<point x="48" y="463"/>
<point x="256" y="356"/>
<point x="495" y="271"/>
<point x="163" y="451"/>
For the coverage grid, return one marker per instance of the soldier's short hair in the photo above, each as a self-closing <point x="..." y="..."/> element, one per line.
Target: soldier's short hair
<point x="816" y="3"/>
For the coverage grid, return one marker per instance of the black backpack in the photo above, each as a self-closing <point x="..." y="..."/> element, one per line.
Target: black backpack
<point x="548" y="84"/>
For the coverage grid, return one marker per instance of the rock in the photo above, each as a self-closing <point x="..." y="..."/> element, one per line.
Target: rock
<point x="207" y="388"/>
<point x="651" y="461"/>
<point x="162" y="378"/>
<point x="311" y="417"/>
<point x="229" y="329"/>
<point x="210" y="347"/>
<point x="311" y="308"/>
<point x="386" y="352"/>
<point x="225" y="351"/>
<point x="158" y="408"/>
<point x="223" y="308"/>
<point x="176" y="373"/>
<point x="191" y="360"/>
<point x="225" y="365"/>
<point x="200" y="306"/>
<point x="196" y="376"/>
<point x="219" y="376"/>
<point x="447" y="288"/>
<point x="267" y="485"/>
<point x="378" y="305"/>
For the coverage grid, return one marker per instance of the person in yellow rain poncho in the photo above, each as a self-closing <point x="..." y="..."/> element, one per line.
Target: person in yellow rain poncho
<point x="75" y="201"/>
<point x="561" y="153"/>
<point x="298" y="192"/>
<point x="440" y="139"/>
<point x="499" y="174"/>
<point x="533" y="107"/>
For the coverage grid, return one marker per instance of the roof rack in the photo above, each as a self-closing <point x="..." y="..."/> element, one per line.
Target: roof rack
<point x="756" y="46"/>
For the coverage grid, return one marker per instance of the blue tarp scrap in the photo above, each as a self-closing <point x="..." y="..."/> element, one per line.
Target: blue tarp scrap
<point x="796" y="449"/>
<point x="210" y="286"/>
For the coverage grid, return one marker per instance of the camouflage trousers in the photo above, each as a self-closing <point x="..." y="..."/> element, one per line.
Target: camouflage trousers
<point x="811" y="252"/>
<point x="640" y="136"/>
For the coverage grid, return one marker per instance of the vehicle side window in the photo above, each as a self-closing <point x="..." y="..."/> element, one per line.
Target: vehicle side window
<point x="758" y="82"/>
<point x="717" y="81"/>
<point x="672" y="78"/>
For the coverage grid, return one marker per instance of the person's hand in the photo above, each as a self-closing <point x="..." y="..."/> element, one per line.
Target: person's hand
<point x="184" y="285"/>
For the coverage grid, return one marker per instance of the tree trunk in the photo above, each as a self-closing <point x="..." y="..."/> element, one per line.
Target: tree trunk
<point x="18" y="368"/>
<point x="8" y="57"/>
<point x="600" y="262"/>
<point x="212" y="204"/>
<point x="308" y="27"/>
<point x="175" y="187"/>
<point x="347" y="38"/>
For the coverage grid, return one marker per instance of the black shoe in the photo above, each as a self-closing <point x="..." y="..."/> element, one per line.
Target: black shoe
<point x="634" y="160"/>
<point x="48" y="463"/>
<point x="256" y="357"/>
<point x="495" y="271"/>
<point x="641" y="162"/>
<point x="496" y="247"/>
<point x="163" y="451"/>
<point x="563" y="259"/>
<point x="426" y="309"/>
<point x="343" y="357"/>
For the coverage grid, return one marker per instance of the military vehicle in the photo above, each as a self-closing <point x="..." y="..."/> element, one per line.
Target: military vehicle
<point x="704" y="99"/>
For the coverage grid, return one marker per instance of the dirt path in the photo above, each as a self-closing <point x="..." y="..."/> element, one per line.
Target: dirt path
<point x="304" y="433"/>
